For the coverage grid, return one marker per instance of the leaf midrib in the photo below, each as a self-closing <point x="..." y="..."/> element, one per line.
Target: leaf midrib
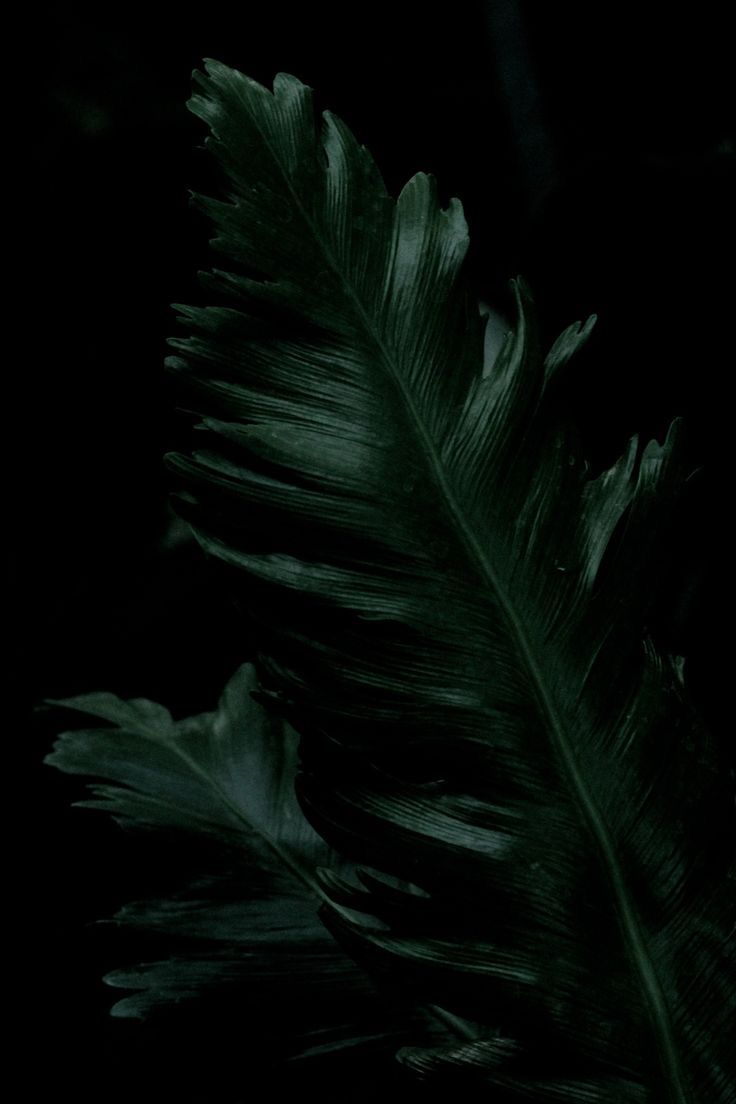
<point x="625" y="909"/>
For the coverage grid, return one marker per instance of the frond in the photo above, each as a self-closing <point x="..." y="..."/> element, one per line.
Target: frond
<point x="453" y="616"/>
<point x="244" y="932"/>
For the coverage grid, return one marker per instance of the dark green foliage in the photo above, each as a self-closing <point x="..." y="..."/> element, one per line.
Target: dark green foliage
<point x="453" y="617"/>
<point x="245" y="927"/>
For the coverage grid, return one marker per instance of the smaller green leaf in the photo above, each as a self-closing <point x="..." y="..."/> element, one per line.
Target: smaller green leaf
<point x="230" y="772"/>
<point x="245" y="929"/>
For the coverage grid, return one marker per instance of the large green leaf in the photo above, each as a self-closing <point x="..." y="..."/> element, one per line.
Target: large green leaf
<point x="244" y="928"/>
<point x="454" y="616"/>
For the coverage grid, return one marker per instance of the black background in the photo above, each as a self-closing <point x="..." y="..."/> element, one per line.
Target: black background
<point x="593" y="153"/>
